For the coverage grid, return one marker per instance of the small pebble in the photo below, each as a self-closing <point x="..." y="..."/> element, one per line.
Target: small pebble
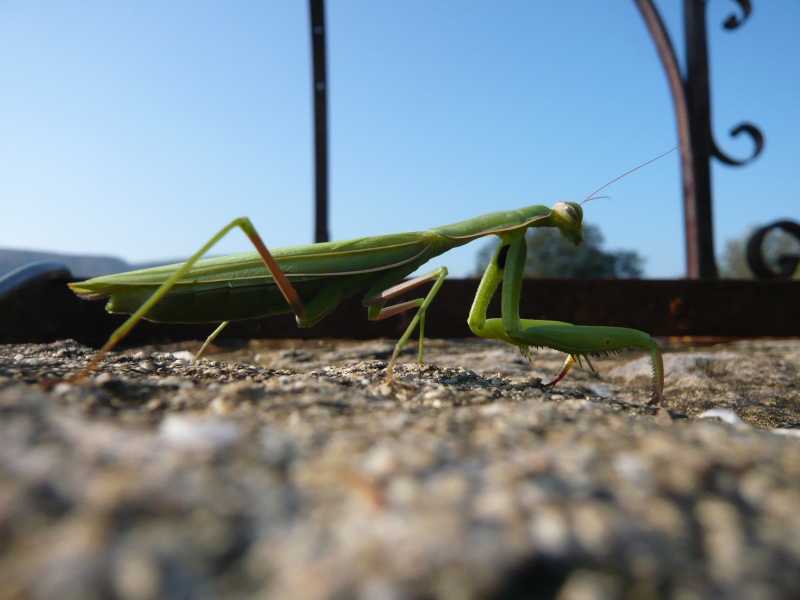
<point x="723" y="414"/>
<point x="787" y="432"/>
<point x="103" y="378"/>
<point x="62" y="388"/>
<point x="191" y="433"/>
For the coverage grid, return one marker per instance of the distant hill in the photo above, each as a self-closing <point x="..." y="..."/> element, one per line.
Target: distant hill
<point x="81" y="266"/>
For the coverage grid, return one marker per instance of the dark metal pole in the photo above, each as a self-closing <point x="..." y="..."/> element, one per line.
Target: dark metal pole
<point x="320" y="122"/>
<point x="700" y="249"/>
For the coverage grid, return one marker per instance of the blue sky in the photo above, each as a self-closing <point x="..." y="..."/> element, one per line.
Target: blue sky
<point x="139" y="129"/>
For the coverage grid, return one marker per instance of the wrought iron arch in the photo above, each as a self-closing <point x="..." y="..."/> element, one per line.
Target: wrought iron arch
<point x="691" y="96"/>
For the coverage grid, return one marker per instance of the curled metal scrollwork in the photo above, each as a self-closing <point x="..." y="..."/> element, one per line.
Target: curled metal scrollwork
<point x="787" y="263"/>
<point x="754" y="133"/>
<point x="734" y="21"/>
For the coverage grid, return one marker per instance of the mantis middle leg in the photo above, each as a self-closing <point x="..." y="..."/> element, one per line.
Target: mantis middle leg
<point x="377" y="309"/>
<point x="577" y="341"/>
<point x="375" y="301"/>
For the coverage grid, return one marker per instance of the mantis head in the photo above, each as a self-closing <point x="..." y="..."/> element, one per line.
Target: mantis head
<point x="567" y="216"/>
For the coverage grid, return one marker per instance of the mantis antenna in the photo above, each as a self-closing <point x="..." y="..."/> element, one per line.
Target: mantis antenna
<point x="596" y="198"/>
<point x="591" y="196"/>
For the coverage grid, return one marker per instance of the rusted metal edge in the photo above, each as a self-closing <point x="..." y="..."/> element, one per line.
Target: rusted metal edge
<point x="46" y="310"/>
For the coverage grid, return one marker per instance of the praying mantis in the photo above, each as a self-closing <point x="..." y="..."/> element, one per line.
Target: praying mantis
<point x="311" y="280"/>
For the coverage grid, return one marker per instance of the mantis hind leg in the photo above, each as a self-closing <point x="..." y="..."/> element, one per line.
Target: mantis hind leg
<point x="243" y="223"/>
<point x="377" y="310"/>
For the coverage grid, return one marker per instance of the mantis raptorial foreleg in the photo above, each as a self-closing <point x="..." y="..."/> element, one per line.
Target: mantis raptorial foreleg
<point x="508" y="265"/>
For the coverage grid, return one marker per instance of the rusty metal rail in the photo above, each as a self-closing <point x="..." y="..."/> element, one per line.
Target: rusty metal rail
<point x="45" y="310"/>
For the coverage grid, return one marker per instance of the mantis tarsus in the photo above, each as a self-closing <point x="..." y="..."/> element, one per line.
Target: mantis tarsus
<point x="311" y="280"/>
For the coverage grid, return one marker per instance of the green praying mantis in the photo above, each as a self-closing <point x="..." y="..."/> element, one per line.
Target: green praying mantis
<point x="311" y="280"/>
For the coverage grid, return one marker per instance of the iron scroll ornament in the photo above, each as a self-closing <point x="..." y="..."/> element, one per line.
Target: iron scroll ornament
<point x="787" y="263"/>
<point x="753" y="132"/>
<point x="732" y="22"/>
<point x="735" y="21"/>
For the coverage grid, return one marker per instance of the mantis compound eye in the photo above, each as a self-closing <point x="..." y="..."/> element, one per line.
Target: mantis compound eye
<point x="567" y="216"/>
<point x="569" y="211"/>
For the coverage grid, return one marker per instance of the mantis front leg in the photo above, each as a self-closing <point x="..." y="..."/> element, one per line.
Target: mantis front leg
<point x="577" y="341"/>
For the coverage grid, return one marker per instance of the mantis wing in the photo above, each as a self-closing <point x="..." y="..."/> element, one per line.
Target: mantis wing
<point x="239" y="286"/>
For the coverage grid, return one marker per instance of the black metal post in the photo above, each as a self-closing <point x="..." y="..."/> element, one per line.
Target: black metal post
<point x="700" y="250"/>
<point x="320" y="91"/>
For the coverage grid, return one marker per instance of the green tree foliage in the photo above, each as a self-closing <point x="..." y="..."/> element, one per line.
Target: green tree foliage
<point x="777" y="244"/>
<point x="550" y="255"/>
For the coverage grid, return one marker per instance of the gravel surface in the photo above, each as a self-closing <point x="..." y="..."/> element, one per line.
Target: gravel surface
<point x="290" y="469"/>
